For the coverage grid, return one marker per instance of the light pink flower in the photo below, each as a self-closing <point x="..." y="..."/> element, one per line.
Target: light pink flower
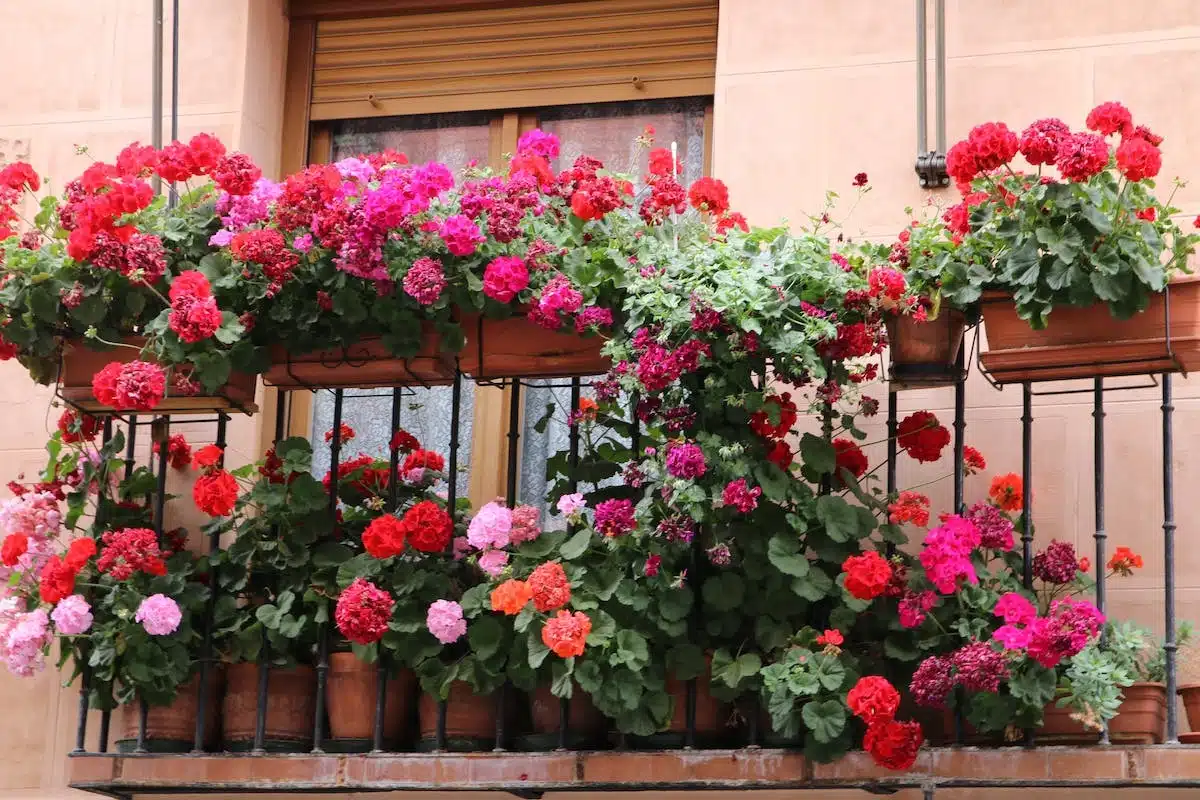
<point x="72" y="616"/>
<point x="445" y="621"/>
<point x="490" y="527"/>
<point x="526" y="524"/>
<point x="571" y="505"/>
<point x="493" y="562"/>
<point x="25" y="641"/>
<point x="159" y="615"/>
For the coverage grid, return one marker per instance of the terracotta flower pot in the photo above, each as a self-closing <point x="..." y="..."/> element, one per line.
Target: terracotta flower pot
<point x="940" y="727"/>
<point x="1189" y="693"/>
<point x="351" y="689"/>
<point x="1090" y="342"/>
<point x="586" y="726"/>
<point x="365" y="364"/>
<point x="289" y="707"/>
<point x="80" y="363"/>
<point x="925" y="353"/>
<point x="470" y="719"/>
<point x="1059" y="727"/>
<point x="517" y="348"/>
<point x="172" y="728"/>
<point x="1142" y="717"/>
<point x="711" y="719"/>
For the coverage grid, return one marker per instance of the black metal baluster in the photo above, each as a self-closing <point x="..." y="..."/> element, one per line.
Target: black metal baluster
<point x="960" y="427"/>
<point x="827" y="434"/>
<point x="260" y="702"/>
<point x="143" y="718"/>
<point x="635" y="427"/>
<point x="514" y="438"/>
<point x="130" y="444"/>
<point x="160" y="435"/>
<point x="323" y="633"/>
<point x="564" y="705"/>
<point x="501" y="718"/>
<point x="381" y="680"/>
<point x="381" y="670"/>
<point x="892" y="451"/>
<point x="452" y="468"/>
<point x="214" y="546"/>
<point x="439" y="740"/>
<point x="1098" y="500"/>
<point x="1026" y="474"/>
<point x="1169" y="644"/>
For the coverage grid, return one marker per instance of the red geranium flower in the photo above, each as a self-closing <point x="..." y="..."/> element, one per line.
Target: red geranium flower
<point x="1006" y="492"/>
<point x="15" y="545"/>
<point x="992" y="144"/>
<point x="57" y="580"/>
<point x="79" y="552"/>
<point x="428" y="527"/>
<point x="867" y="575"/>
<point x="1138" y="159"/>
<point x="831" y="637"/>
<point x="1109" y="118"/>
<point x="893" y="744"/>
<point x="424" y="459"/>
<point x="346" y="433"/>
<point x="973" y="461"/>
<point x="75" y="427"/>
<point x="911" y="507"/>
<point x="780" y="455"/>
<point x="179" y="452"/>
<point x="760" y="421"/>
<point x="363" y="611"/>
<point x="216" y="493"/>
<point x="850" y="457"/>
<point x="404" y="441"/>
<point x="873" y="699"/>
<point x="208" y="456"/>
<point x="384" y="537"/>
<point x="551" y="589"/>
<point x="709" y="194"/>
<point x="922" y="436"/>
<point x="566" y="633"/>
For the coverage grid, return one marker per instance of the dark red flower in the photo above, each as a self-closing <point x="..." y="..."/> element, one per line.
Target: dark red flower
<point x="179" y="452"/>
<point x="850" y="457"/>
<point x="922" y="436"/>
<point x="363" y="611"/>
<point x="760" y="421"/>
<point x="1109" y="118"/>
<point x="236" y="174"/>
<point x="1081" y="155"/>
<point x="1039" y="142"/>
<point x="893" y="744"/>
<point x="404" y="441"/>
<point x="75" y="426"/>
<point x="781" y="454"/>
<point x="860" y="179"/>
<point x="1138" y="159"/>
<point x="992" y="144"/>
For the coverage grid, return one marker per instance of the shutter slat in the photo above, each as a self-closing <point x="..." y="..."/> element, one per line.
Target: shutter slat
<point x="578" y="52"/>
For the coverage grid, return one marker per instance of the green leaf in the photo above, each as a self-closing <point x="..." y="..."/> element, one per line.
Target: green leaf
<point x="1098" y="219"/>
<point x="814" y="586"/>
<point x="783" y="552"/>
<point x="839" y="518"/>
<point x="1022" y="265"/>
<point x="537" y="651"/>
<point x="724" y="592"/>
<point x="485" y="635"/>
<point x="561" y="684"/>
<point x="632" y="649"/>
<point x="577" y="545"/>
<point x="825" y="719"/>
<point x="818" y="453"/>
<point x="91" y="310"/>
<point x="676" y="603"/>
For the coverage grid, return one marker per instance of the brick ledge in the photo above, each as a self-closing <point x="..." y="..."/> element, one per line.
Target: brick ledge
<point x="529" y="774"/>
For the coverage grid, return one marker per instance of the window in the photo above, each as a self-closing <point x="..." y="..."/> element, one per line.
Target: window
<point x="605" y="130"/>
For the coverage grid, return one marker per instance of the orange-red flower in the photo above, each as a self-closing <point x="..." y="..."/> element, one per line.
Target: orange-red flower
<point x="566" y="633"/>
<point x="550" y="586"/>
<point x="1007" y="492"/>
<point x="384" y="537"/>
<point x="973" y="461"/>
<point x="1124" y="561"/>
<point x="910" y="507"/>
<point x="511" y="596"/>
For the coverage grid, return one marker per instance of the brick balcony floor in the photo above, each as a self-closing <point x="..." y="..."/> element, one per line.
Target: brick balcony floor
<point x="529" y="774"/>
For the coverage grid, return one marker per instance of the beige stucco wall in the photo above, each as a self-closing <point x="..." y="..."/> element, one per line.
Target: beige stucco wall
<point x="809" y="92"/>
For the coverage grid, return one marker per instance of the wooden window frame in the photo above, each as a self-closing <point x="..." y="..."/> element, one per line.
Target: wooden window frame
<point x="306" y="141"/>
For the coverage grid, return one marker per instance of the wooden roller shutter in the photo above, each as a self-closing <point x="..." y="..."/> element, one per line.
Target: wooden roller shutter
<point x="575" y="52"/>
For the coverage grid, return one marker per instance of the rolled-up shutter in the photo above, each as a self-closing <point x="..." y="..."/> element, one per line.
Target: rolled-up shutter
<point x="573" y="52"/>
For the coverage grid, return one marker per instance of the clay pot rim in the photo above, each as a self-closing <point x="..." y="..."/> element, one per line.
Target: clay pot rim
<point x="1187" y="687"/>
<point x="997" y="295"/>
<point x="1151" y="684"/>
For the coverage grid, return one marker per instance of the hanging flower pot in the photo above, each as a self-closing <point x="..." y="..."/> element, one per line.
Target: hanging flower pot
<point x="289" y="708"/>
<point x="351" y="691"/>
<point x="924" y="354"/>
<point x="470" y="720"/>
<point x="1089" y="342"/>
<point x="586" y="726"/>
<point x="365" y="364"/>
<point x="1142" y="717"/>
<point x="1060" y="727"/>
<point x="80" y="363"/>
<point x="172" y="728"/>
<point x="517" y="348"/>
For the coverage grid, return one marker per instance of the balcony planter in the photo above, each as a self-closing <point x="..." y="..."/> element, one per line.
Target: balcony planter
<point x="470" y="720"/>
<point x="924" y="354"/>
<point x="80" y="363"/>
<point x="1142" y="717"/>
<point x="172" y="728"/>
<point x="586" y="726"/>
<point x="1189" y="693"/>
<point x="365" y="364"/>
<point x="289" y="708"/>
<point x="1059" y="727"/>
<point x="1090" y="342"/>
<point x="517" y="348"/>
<point x="350" y="695"/>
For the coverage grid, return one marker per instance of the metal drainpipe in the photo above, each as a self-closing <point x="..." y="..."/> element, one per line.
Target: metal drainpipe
<point x="931" y="164"/>
<point x="156" y="88"/>
<point x="173" y="196"/>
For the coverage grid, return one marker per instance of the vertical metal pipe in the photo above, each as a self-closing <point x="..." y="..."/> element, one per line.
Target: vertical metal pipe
<point x="143" y="717"/>
<point x="214" y="546"/>
<point x="939" y="72"/>
<point x="85" y="685"/>
<point x="173" y="196"/>
<point x="891" y="431"/>
<point x="564" y="722"/>
<point x="690" y="715"/>
<point x="335" y="453"/>
<point x="960" y="427"/>
<point x="394" y="461"/>
<point x="455" y="419"/>
<point x="105" y="719"/>
<point x="156" y="87"/>
<point x="514" y="438"/>
<point x="635" y="427"/>
<point x="752" y="732"/>
<point x="1026" y="475"/>
<point x="160" y="435"/>
<point x="381" y="675"/>
<point x="260" y="702"/>
<point x="573" y="435"/>
<point x="130" y="445"/>
<point x="1169" y="644"/>
<point x="922" y="90"/>
<point x="439" y="742"/>
<point x="827" y="434"/>
<point x="1098" y="487"/>
<point x="501" y="718"/>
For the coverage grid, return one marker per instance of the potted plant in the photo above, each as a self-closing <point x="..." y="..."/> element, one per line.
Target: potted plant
<point x="119" y="297"/>
<point x="267" y="612"/>
<point x="1142" y="715"/>
<point x="1093" y="243"/>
